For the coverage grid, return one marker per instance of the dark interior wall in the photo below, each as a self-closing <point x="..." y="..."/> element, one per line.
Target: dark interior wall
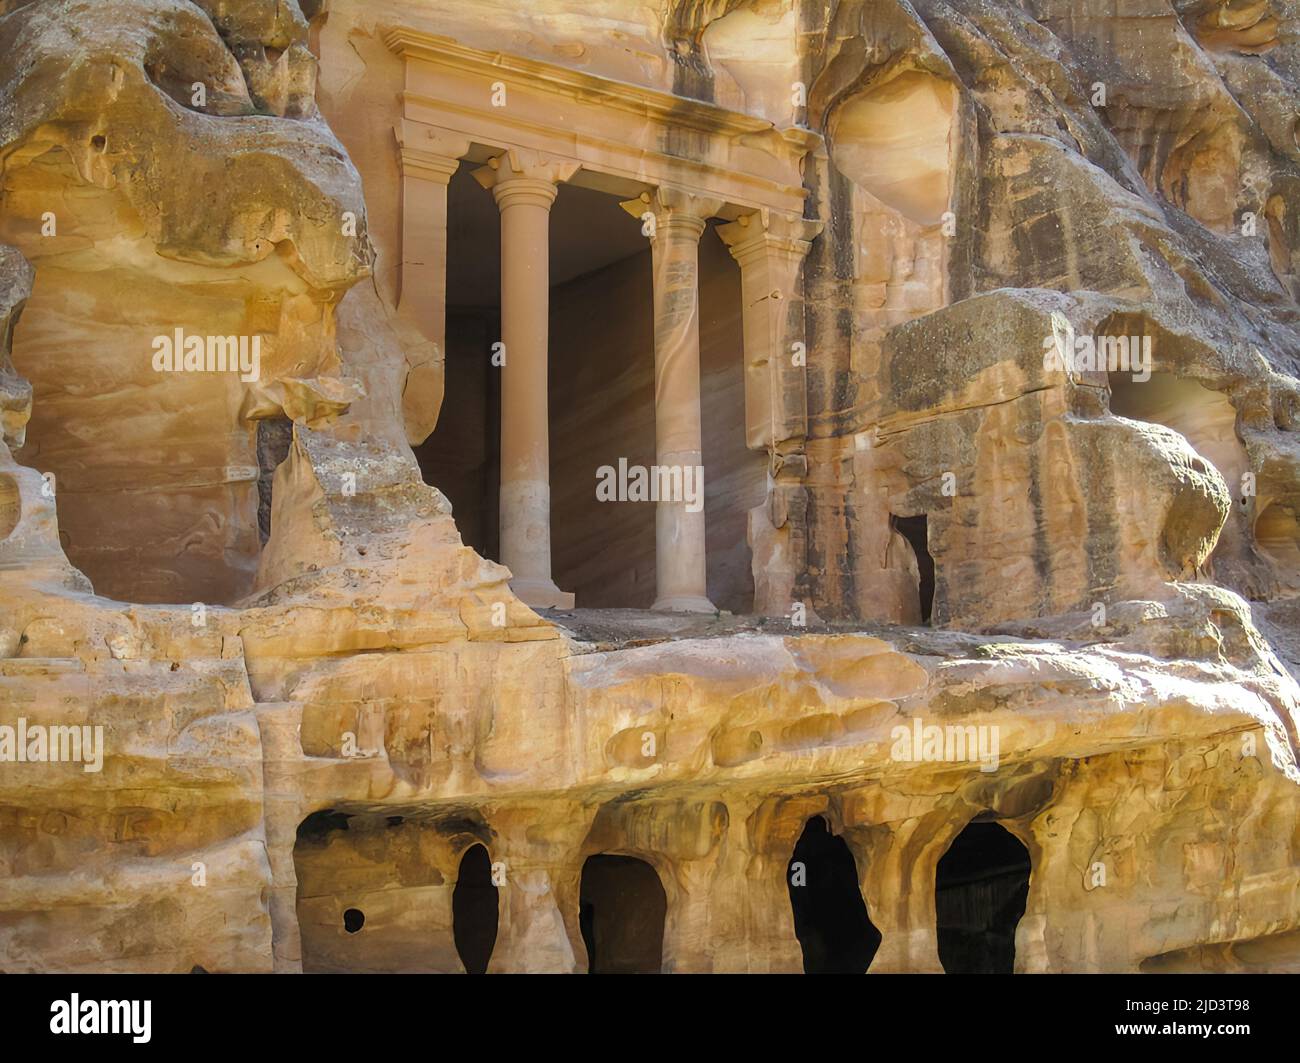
<point x="735" y="477"/>
<point x="980" y="891"/>
<point x="602" y="409"/>
<point x="622" y="908"/>
<point x="462" y="456"/>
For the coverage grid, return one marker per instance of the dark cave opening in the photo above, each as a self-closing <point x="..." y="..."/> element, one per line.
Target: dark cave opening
<point x="317" y="826"/>
<point x="980" y="891"/>
<point x="621" y="913"/>
<point x="274" y="440"/>
<point x="830" y="917"/>
<point x="916" y="531"/>
<point x="474" y="910"/>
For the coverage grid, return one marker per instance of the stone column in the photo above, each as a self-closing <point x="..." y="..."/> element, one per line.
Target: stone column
<point x="770" y="249"/>
<point x="429" y="157"/>
<point x="279" y="724"/>
<point x="674" y="221"/>
<point x="525" y="188"/>
<point x="539" y="847"/>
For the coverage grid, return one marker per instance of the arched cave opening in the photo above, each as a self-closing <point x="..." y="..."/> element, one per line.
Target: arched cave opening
<point x="601" y="396"/>
<point x="916" y="530"/>
<point x="474" y="910"/>
<point x="376" y="893"/>
<point x="317" y="826"/>
<point x="1277" y="535"/>
<point x="1205" y="418"/>
<point x="980" y="890"/>
<point x="830" y="917"/>
<point x="621" y="912"/>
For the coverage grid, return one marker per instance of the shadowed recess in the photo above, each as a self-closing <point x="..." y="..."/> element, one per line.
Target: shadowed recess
<point x="830" y="917"/>
<point x="474" y="910"/>
<point x="916" y="531"/>
<point x="979" y="893"/>
<point x="621" y="914"/>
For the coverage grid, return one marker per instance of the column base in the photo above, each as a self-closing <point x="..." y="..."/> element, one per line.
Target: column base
<point x="541" y="594"/>
<point x="684" y="603"/>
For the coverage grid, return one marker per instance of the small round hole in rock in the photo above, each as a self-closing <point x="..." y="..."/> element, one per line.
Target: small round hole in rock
<point x="353" y="920"/>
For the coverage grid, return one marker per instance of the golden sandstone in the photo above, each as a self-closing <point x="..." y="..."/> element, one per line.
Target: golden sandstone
<point x="584" y="485"/>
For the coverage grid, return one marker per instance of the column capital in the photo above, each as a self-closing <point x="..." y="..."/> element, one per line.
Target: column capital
<point x="770" y="247"/>
<point x="676" y="211"/>
<point x="769" y="232"/>
<point x="519" y="175"/>
<point x="428" y="152"/>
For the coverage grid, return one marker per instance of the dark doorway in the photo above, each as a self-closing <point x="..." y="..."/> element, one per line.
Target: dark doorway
<point x="916" y="530"/>
<point x="830" y="917"/>
<point x="474" y="910"/>
<point x="980" y="892"/>
<point x="622" y="907"/>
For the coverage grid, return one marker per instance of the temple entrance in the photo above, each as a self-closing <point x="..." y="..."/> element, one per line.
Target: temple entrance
<point x="980" y="892"/>
<point x="633" y="294"/>
<point x="474" y="910"/>
<point x="600" y="398"/>
<point x="830" y="917"/>
<point x="621" y="911"/>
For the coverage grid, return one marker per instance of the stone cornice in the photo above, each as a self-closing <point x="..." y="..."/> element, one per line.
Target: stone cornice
<point x="610" y="128"/>
<point x="635" y="99"/>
